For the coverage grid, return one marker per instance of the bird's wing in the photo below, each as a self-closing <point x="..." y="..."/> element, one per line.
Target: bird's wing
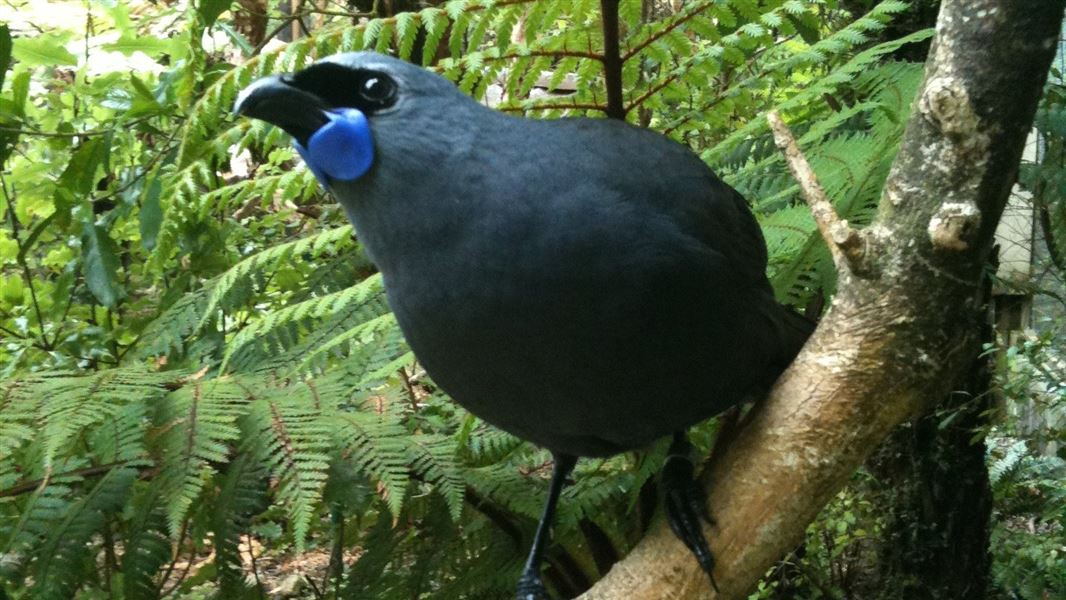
<point x="648" y="169"/>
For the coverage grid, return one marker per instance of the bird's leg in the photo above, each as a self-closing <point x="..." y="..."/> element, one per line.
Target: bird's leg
<point x="530" y="586"/>
<point x="685" y="503"/>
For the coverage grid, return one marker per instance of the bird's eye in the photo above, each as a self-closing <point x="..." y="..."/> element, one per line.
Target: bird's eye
<point x="377" y="89"/>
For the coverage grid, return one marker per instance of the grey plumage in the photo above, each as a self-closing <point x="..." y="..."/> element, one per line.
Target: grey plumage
<point x="591" y="271"/>
<point x="584" y="284"/>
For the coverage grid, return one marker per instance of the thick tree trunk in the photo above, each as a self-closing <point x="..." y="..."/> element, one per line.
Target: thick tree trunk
<point x="932" y="488"/>
<point x="904" y="323"/>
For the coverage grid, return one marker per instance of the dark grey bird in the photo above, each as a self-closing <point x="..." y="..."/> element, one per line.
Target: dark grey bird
<point x="584" y="284"/>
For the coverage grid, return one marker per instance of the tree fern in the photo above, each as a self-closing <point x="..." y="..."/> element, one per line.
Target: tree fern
<point x="23" y="531"/>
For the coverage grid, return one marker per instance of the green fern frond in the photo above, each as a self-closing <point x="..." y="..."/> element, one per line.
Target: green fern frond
<point x="314" y="245"/>
<point x="435" y="459"/>
<point x="367" y="297"/>
<point x="826" y="85"/>
<point x="505" y="485"/>
<point x="61" y="406"/>
<point x="146" y="546"/>
<point x="999" y="468"/>
<point x="375" y="444"/>
<point x="241" y="494"/>
<point x="66" y="554"/>
<point x="36" y="515"/>
<point x="196" y="424"/>
<point x="487" y="445"/>
<point x="296" y="438"/>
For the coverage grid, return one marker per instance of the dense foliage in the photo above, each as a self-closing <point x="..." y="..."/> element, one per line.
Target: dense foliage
<point x="198" y="362"/>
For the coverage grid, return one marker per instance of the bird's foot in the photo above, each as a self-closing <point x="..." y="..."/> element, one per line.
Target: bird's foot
<point x="685" y="503"/>
<point x="530" y="587"/>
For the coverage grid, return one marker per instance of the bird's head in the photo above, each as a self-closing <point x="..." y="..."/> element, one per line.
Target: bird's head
<point x="336" y="107"/>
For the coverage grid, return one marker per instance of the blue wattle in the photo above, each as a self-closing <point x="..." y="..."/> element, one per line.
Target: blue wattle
<point x="341" y="150"/>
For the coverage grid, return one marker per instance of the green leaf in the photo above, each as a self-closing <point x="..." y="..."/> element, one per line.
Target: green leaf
<point x="151" y="214"/>
<point x="47" y="50"/>
<point x="79" y="176"/>
<point x="35" y="233"/>
<point x="20" y="91"/>
<point x="5" y="52"/>
<point x="141" y="88"/>
<point x="210" y="10"/>
<point x="130" y="43"/>
<point x="100" y="264"/>
<point x="144" y="101"/>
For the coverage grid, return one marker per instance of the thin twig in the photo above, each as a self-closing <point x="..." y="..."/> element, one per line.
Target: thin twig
<point x="314" y="587"/>
<point x="174" y="561"/>
<point x="255" y="566"/>
<point x="13" y="334"/>
<point x="30" y="486"/>
<point x="273" y="33"/>
<point x="335" y="568"/>
<point x="64" y="134"/>
<point x="652" y="91"/>
<point x="21" y="259"/>
<point x="1046" y="227"/>
<point x="612" y="60"/>
<point x="845" y="243"/>
<point x="337" y="13"/>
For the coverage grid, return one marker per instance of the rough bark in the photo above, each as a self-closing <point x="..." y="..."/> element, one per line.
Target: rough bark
<point x="933" y="486"/>
<point x="904" y="321"/>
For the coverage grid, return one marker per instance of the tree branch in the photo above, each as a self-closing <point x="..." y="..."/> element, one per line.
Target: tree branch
<point x="889" y="342"/>
<point x="29" y="486"/>
<point x="845" y="244"/>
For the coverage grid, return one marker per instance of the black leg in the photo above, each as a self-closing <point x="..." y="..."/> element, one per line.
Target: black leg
<point x="686" y="503"/>
<point x="530" y="586"/>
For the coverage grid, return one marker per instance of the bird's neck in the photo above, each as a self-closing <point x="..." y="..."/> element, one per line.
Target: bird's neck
<point x="422" y="196"/>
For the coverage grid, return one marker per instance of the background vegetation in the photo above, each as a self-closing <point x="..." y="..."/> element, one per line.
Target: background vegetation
<point x="203" y="394"/>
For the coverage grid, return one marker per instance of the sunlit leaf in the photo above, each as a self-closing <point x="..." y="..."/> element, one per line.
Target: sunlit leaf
<point x="46" y="50"/>
<point x="129" y="43"/>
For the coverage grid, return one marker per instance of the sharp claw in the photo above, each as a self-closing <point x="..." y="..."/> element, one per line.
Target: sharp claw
<point x="697" y="499"/>
<point x="685" y="504"/>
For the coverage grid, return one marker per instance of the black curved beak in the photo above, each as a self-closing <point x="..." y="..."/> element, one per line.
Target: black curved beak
<point x="275" y="100"/>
